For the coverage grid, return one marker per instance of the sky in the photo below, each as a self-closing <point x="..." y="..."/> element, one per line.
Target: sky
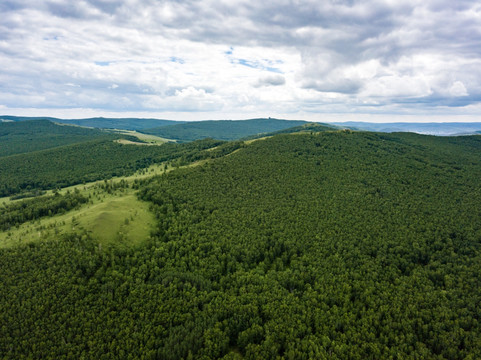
<point x="331" y="60"/>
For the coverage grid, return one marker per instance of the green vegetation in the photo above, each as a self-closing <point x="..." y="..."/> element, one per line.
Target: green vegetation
<point x="330" y="245"/>
<point x="109" y="211"/>
<point x="306" y="128"/>
<point x="100" y="122"/>
<point x="16" y="213"/>
<point x="88" y="161"/>
<point x="118" y="219"/>
<point x="116" y="123"/>
<point x="137" y="137"/>
<point x="29" y="136"/>
<point x="221" y="129"/>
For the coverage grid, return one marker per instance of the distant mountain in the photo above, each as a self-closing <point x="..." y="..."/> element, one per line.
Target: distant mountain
<point x="100" y="122"/>
<point x="222" y="129"/>
<point x="184" y="131"/>
<point x="10" y="118"/>
<point x="440" y="129"/>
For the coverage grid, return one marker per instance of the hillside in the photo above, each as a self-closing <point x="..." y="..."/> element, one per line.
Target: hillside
<point x="222" y="129"/>
<point x="304" y="128"/>
<point x="119" y="123"/>
<point x="100" y="122"/>
<point x="342" y="245"/>
<point x="88" y="161"/>
<point x="33" y="135"/>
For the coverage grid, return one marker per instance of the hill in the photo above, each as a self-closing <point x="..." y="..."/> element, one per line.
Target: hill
<point x="119" y="123"/>
<point x="222" y="129"/>
<point x="305" y="128"/>
<point x="335" y="244"/>
<point x="88" y="161"/>
<point x="100" y="122"/>
<point x="33" y="135"/>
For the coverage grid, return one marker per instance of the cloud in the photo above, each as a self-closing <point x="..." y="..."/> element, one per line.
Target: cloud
<point x="273" y="80"/>
<point x="187" y="99"/>
<point x="458" y="89"/>
<point x="342" y="56"/>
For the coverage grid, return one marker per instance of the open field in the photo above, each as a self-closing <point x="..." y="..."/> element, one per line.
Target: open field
<point x="146" y="138"/>
<point x="117" y="217"/>
<point x="111" y="218"/>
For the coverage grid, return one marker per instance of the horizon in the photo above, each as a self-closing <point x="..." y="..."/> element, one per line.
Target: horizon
<point x="375" y="61"/>
<point x="365" y="119"/>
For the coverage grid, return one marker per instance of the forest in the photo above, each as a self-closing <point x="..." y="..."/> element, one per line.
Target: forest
<point x="88" y="161"/>
<point x="28" y="136"/>
<point x="304" y="245"/>
<point x="222" y="129"/>
<point x="99" y="122"/>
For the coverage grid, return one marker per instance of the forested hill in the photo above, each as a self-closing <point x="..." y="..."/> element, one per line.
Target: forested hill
<point x="100" y="122"/>
<point x="330" y="245"/>
<point x="222" y="129"/>
<point x="304" y="128"/>
<point x="33" y="135"/>
<point x="88" y="161"/>
<point x="119" y="123"/>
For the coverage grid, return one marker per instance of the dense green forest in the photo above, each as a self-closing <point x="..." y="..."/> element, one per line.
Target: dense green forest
<point x="221" y="129"/>
<point x="304" y="128"/>
<point x="28" y="136"/>
<point x="17" y="213"/>
<point x="100" y="122"/>
<point x="89" y="161"/>
<point x="331" y="245"/>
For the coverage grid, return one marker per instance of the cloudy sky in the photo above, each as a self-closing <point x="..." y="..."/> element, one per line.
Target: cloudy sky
<point x="372" y="60"/>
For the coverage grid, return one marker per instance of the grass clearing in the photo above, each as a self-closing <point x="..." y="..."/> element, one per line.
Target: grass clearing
<point x="119" y="219"/>
<point x="147" y="138"/>
<point x="116" y="218"/>
<point x="129" y="142"/>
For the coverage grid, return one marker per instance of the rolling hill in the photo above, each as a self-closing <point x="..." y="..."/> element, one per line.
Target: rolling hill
<point x="222" y="129"/>
<point x="89" y="161"/>
<point x="33" y="135"/>
<point x="313" y="245"/>
<point x="100" y="122"/>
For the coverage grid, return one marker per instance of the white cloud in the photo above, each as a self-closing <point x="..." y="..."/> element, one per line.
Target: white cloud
<point x="241" y="57"/>
<point x="458" y="89"/>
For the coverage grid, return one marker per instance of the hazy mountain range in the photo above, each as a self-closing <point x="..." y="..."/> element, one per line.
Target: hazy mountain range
<point x="229" y="129"/>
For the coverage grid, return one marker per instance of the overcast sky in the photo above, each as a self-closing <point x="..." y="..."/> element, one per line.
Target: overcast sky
<point x="325" y="60"/>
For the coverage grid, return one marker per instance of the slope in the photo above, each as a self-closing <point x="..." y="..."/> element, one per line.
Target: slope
<point x="119" y="123"/>
<point x="348" y="245"/>
<point x="305" y="128"/>
<point x="98" y="122"/>
<point x="33" y="135"/>
<point x="63" y="166"/>
<point x="221" y="129"/>
<point x="339" y="245"/>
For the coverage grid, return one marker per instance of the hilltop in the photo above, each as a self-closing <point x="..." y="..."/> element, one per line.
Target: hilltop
<point x="222" y="129"/>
